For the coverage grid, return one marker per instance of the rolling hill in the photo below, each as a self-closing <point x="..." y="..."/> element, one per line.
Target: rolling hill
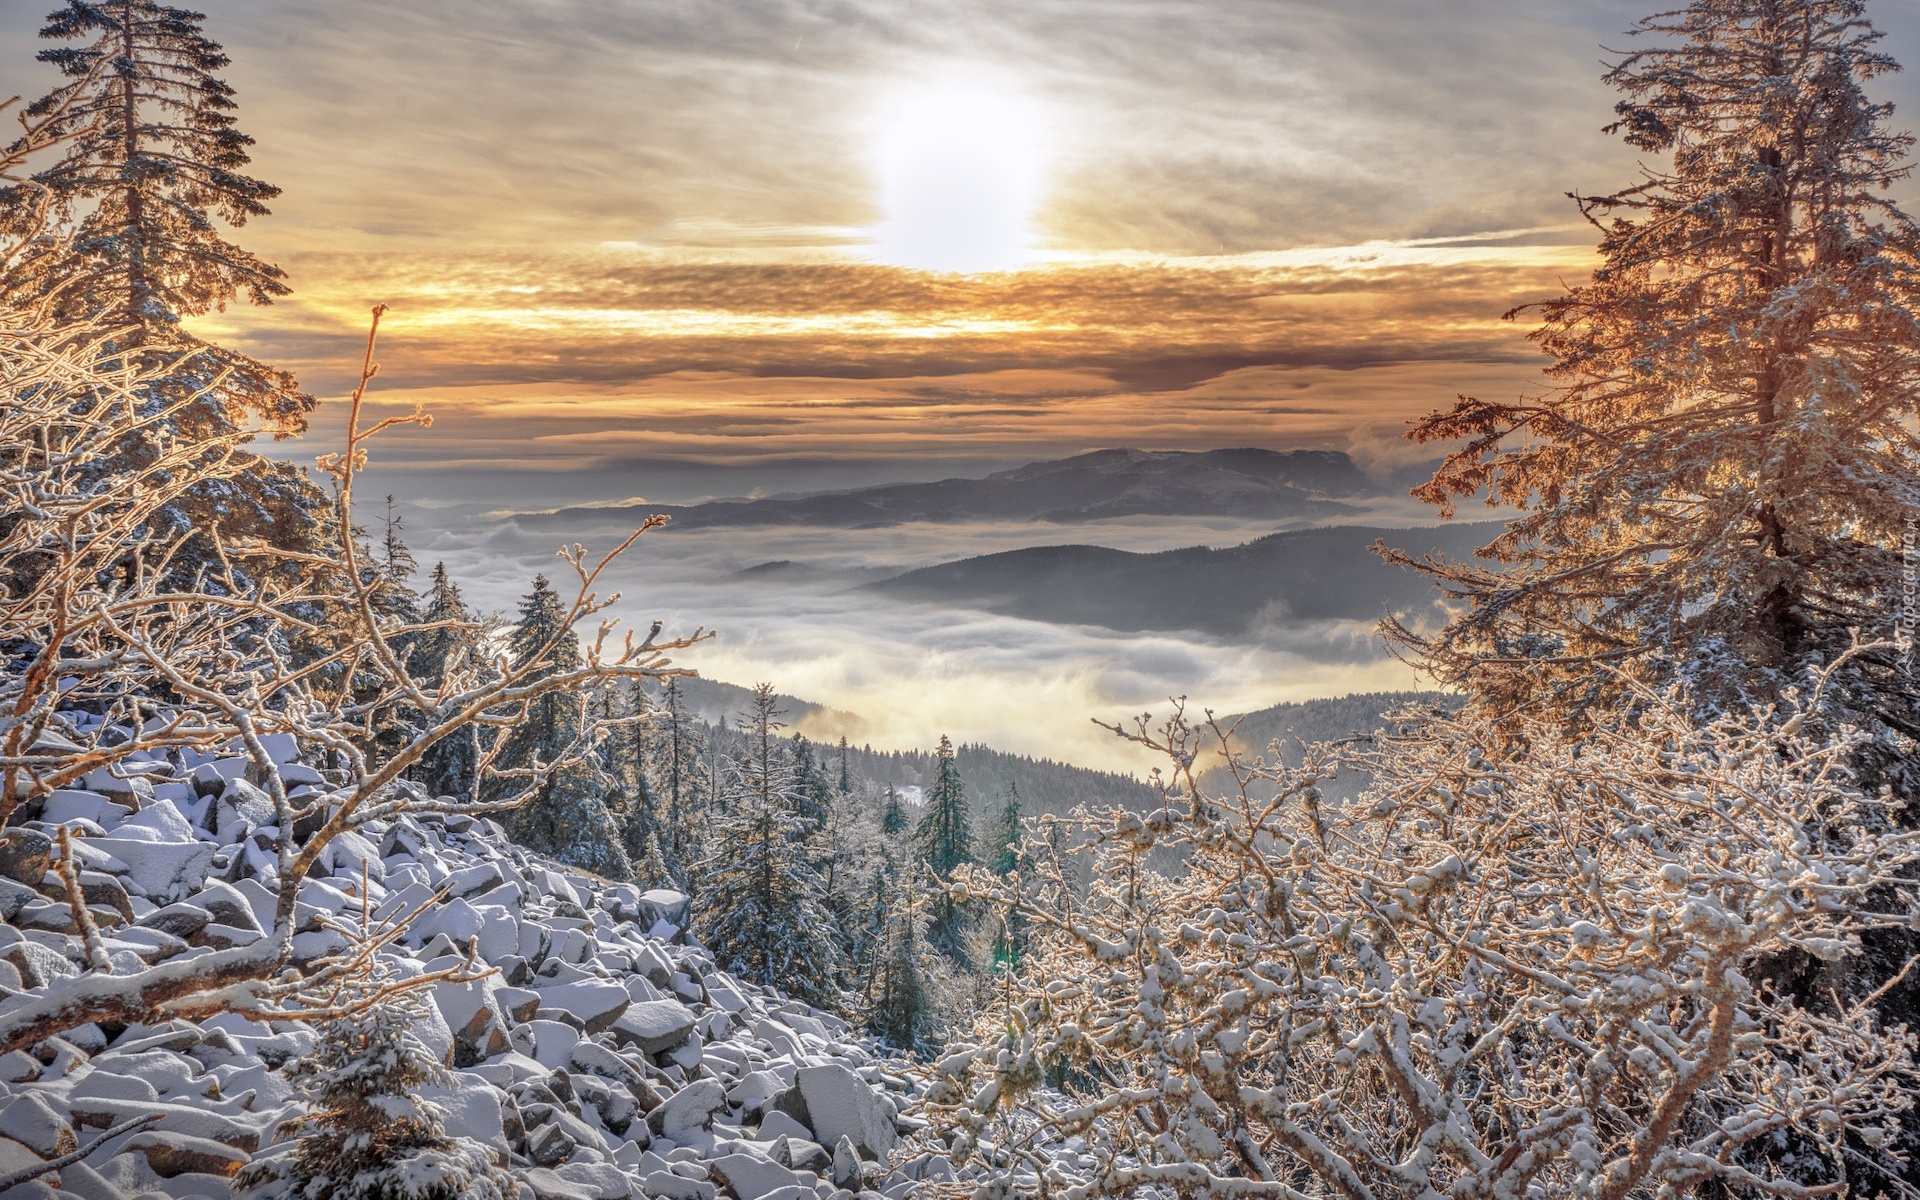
<point x="1298" y="576"/>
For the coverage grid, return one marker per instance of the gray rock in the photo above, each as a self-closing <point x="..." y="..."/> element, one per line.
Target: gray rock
<point x="181" y="920"/>
<point x="668" y="1186"/>
<point x="841" y="1104"/>
<point x="602" y="1181"/>
<point x="749" y="1177"/>
<point x="803" y="1155"/>
<point x="664" y="904"/>
<point x="228" y="905"/>
<point x="17" y="1066"/>
<point x="653" y="1025"/>
<point x="33" y="1122"/>
<point x="13" y="898"/>
<point x="550" y="1185"/>
<point x="171" y="1154"/>
<point x="184" y="1119"/>
<point x="100" y="889"/>
<point x="598" y="1003"/>
<point x="38" y="965"/>
<point x="549" y="1144"/>
<point x="25" y="855"/>
<point x="846" y="1164"/>
<point x="518" y="1003"/>
<point x="166" y="871"/>
<point x="691" y="1108"/>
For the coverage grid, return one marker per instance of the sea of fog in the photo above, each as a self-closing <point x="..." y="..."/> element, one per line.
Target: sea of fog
<point x="902" y="674"/>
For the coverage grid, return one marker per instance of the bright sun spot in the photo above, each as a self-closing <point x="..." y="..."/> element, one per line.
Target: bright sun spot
<point x="960" y="162"/>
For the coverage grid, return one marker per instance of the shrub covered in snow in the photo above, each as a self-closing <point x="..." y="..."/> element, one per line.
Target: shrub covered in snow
<point x="368" y="1132"/>
<point x="1524" y="963"/>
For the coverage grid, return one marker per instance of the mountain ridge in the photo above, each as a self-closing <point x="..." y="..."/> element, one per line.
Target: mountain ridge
<point x="1242" y="482"/>
<point x="1320" y="574"/>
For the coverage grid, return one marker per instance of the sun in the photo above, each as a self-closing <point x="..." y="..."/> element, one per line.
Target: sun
<point x="961" y="157"/>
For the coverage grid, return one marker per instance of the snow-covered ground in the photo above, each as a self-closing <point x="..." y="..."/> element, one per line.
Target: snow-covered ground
<point x="606" y="1058"/>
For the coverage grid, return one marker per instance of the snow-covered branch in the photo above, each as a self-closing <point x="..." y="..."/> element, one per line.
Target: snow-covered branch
<point x="127" y="654"/>
<point x="1526" y="961"/>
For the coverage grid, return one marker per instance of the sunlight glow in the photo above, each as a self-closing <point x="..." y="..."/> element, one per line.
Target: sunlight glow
<point x="961" y="158"/>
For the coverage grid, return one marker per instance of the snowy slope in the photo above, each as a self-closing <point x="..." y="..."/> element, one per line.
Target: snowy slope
<point x="605" y="1058"/>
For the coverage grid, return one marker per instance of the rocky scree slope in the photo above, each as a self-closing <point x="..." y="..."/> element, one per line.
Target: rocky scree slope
<point x="605" y="1059"/>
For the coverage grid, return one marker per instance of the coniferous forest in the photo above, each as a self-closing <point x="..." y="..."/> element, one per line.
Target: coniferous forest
<point x="321" y="880"/>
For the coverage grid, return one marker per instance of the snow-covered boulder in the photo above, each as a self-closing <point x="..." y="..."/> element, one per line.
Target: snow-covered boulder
<point x="839" y="1104"/>
<point x="603" y="1054"/>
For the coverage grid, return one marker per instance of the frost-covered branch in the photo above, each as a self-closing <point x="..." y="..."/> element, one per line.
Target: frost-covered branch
<point x="1525" y="961"/>
<point x="119" y="653"/>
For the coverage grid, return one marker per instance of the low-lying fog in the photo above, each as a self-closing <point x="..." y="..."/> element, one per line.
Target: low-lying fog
<point x="904" y="673"/>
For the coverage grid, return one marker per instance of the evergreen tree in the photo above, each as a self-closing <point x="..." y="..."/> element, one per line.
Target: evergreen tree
<point x="680" y="769"/>
<point x="901" y="995"/>
<point x="566" y="815"/>
<point x="628" y="756"/>
<point x="149" y="166"/>
<point x="942" y="841"/>
<point x="816" y="794"/>
<point x="1716" y="487"/>
<point x="765" y="772"/>
<point x="867" y="940"/>
<point x="893" y="817"/>
<point x="761" y="904"/>
<point x="846" y="782"/>
<point x="1004" y="856"/>
<point x="1002" y="851"/>
<point x="396" y="564"/>
<point x="152" y="165"/>
<point x="441" y="658"/>
<point x="368" y="1134"/>
<point x="650" y="866"/>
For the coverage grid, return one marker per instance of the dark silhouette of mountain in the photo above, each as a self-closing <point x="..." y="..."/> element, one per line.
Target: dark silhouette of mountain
<point x="1255" y="484"/>
<point x="1282" y="579"/>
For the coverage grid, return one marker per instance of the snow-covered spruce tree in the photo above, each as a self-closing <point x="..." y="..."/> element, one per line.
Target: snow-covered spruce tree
<point x="943" y="842"/>
<point x="650" y="869"/>
<point x="1003" y="854"/>
<point x="149" y="166"/>
<point x="627" y="759"/>
<point x="1715" y="487"/>
<point x="388" y="568"/>
<point x="566" y="816"/>
<point x="893" y="814"/>
<point x="899" y="998"/>
<point x="439" y="654"/>
<point x="367" y="1134"/>
<point x="90" y="623"/>
<point x="1534" y="975"/>
<point x="683" y="791"/>
<point x="760" y="902"/>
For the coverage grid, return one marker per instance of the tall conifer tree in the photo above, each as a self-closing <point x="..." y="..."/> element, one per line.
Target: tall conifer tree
<point x="680" y="769"/>
<point x="943" y="840"/>
<point x="1003" y="855"/>
<point x="893" y="814"/>
<point x="441" y="657"/>
<point x="900" y="995"/>
<point x="150" y="166"/>
<point x="761" y="904"/>
<point x="566" y="816"/>
<point x="1716" y="486"/>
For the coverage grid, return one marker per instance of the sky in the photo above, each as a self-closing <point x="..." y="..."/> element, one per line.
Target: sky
<point x="640" y="243"/>
<point x="634" y="247"/>
<point x="672" y="249"/>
